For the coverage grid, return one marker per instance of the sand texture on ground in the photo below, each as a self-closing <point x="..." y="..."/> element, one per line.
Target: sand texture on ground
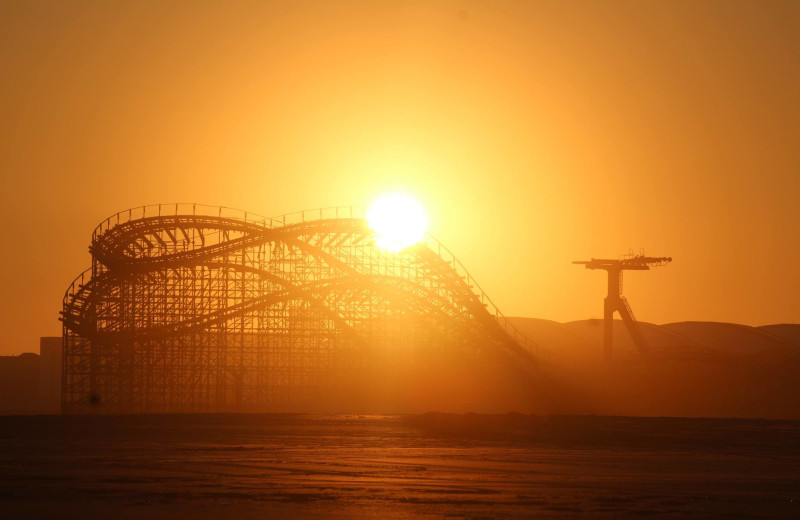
<point x="425" y="466"/>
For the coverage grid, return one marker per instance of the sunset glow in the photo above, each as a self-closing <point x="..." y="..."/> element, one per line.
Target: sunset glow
<point x="505" y="259"/>
<point x="398" y="221"/>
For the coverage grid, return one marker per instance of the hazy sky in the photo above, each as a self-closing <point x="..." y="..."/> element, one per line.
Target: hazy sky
<point x="534" y="133"/>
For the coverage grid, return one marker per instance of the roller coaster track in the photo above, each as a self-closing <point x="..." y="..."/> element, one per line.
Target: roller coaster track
<point x="167" y="278"/>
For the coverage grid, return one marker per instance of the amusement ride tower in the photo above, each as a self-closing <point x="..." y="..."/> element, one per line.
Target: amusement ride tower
<point x="616" y="302"/>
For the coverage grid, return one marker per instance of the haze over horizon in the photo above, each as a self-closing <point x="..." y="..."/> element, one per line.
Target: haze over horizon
<point x="533" y="133"/>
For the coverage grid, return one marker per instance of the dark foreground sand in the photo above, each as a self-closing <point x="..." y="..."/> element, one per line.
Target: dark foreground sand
<point x="430" y="466"/>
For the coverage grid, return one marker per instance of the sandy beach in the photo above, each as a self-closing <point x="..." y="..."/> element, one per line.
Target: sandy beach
<point x="424" y="466"/>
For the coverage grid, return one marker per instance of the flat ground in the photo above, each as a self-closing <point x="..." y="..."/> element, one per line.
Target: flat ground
<point x="429" y="466"/>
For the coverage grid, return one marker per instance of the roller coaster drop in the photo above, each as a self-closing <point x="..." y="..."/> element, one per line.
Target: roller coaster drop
<point x="188" y="308"/>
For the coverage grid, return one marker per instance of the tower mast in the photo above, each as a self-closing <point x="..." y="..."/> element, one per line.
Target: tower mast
<point x="616" y="302"/>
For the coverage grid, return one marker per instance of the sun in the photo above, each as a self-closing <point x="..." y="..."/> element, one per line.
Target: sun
<point x="398" y="221"/>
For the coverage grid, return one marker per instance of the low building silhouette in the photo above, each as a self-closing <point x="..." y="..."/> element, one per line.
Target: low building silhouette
<point x="31" y="383"/>
<point x="50" y="349"/>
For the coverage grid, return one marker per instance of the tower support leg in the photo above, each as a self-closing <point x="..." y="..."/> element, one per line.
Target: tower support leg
<point x="633" y="327"/>
<point x="608" y="328"/>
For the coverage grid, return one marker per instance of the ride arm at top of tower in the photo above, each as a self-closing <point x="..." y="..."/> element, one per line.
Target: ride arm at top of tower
<point x="637" y="262"/>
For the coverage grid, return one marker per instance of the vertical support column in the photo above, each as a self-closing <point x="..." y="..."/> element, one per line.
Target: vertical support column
<point x="611" y="304"/>
<point x="608" y="330"/>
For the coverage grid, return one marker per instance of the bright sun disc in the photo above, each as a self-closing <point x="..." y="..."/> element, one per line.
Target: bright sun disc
<point x="398" y="221"/>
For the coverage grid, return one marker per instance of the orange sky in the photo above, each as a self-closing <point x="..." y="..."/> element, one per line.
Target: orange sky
<point x="534" y="133"/>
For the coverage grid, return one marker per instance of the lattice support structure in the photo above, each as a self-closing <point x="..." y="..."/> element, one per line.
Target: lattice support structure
<point x="188" y="308"/>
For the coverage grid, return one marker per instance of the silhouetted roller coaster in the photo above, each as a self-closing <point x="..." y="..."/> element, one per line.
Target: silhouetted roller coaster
<point x="190" y="308"/>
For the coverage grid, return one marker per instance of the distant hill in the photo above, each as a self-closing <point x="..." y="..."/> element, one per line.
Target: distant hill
<point x="691" y="369"/>
<point x="788" y="331"/>
<point x="731" y="338"/>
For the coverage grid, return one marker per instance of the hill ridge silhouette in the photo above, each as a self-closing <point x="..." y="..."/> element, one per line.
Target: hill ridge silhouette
<point x="693" y="369"/>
